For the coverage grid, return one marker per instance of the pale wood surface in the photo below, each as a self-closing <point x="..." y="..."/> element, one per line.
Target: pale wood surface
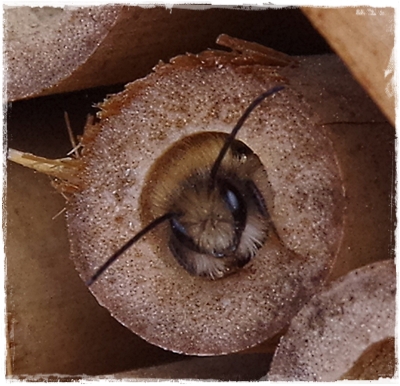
<point x="364" y="38"/>
<point x="55" y="50"/>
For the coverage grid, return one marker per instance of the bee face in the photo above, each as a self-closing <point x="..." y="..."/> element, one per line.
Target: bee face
<point x="219" y="225"/>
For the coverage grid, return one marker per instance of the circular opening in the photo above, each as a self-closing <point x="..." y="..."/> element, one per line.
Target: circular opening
<point x="218" y="224"/>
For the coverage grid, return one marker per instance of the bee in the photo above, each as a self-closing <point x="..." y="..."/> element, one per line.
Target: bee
<point x="213" y="192"/>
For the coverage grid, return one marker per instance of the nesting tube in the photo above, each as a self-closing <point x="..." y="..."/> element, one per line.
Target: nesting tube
<point x="146" y="289"/>
<point x="345" y="332"/>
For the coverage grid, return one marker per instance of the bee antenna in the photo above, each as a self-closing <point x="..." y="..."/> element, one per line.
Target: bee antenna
<point x="235" y="130"/>
<point x="128" y="244"/>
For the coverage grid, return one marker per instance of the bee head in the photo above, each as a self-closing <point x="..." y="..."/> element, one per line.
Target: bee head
<point x="218" y="227"/>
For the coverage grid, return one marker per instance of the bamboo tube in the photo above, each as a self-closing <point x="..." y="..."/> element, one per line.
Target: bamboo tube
<point x="364" y="38"/>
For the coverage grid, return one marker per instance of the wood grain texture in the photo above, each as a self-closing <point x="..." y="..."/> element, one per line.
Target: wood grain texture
<point x="56" y="50"/>
<point x="364" y="38"/>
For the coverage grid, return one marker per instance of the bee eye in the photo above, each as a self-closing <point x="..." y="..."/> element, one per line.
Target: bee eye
<point x="232" y="200"/>
<point x="182" y="235"/>
<point x="178" y="228"/>
<point x="236" y="205"/>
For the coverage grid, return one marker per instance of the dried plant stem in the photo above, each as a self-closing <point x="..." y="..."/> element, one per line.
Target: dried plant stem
<point x="64" y="169"/>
